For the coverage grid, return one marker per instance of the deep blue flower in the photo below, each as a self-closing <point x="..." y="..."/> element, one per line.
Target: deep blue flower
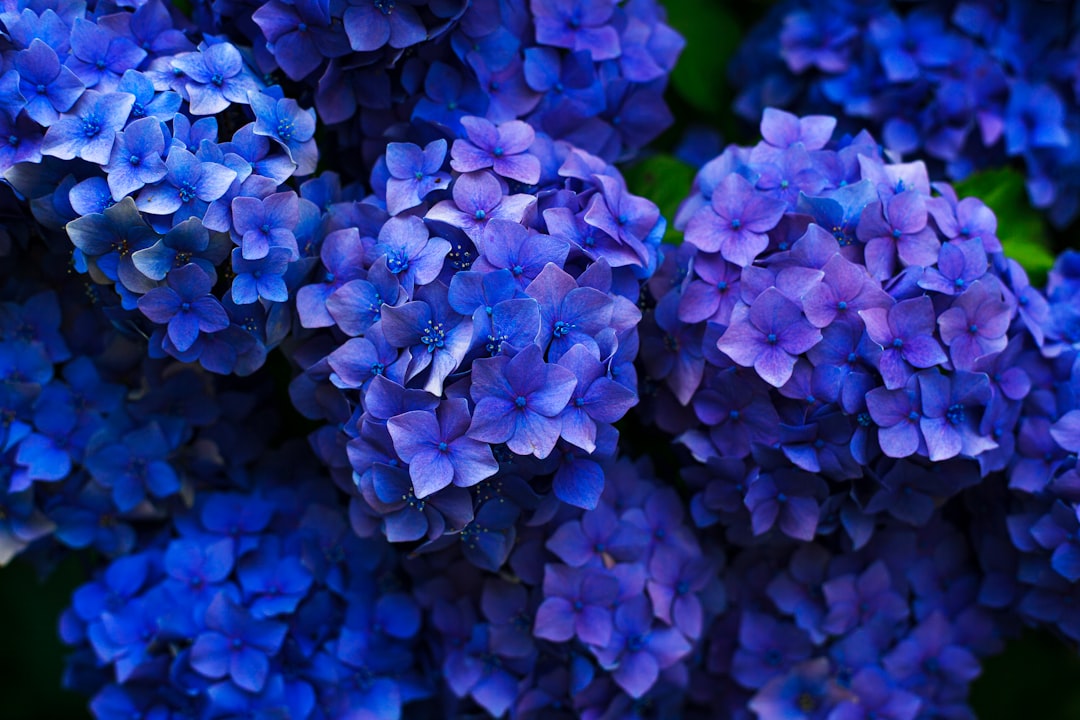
<point x="136" y="157"/>
<point x="87" y="131"/>
<point x="189" y="186"/>
<point x="638" y="651"/>
<point x="187" y="242"/>
<point x="292" y="127"/>
<point x="48" y="87"/>
<point x="111" y="239"/>
<point x="577" y="601"/>
<point x="301" y="35"/>
<point x="216" y="78"/>
<point x="99" y="56"/>
<point x="371" y="24"/>
<point x="411" y="254"/>
<point x="262" y="278"/>
<point x="236" y="645"/>
<point x="185" y="305"/>
<point x="135" y="465"/>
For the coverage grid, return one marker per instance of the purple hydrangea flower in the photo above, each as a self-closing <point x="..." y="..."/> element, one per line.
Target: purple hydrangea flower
<point x="905" y="333"/>
<point x="438" y="450"/>
<point x="736" y="222"/>
<point x="414" y="173"/>
<point x="412" y="256"/>
<point x="897" y="227"/>
<point x="519" y="401"/>
<point x="478" y="198"/>
<point x="577" y="601"/>
<point x="768" y="335"/>
<point x="503" y="148"/>
<point x="975" y="325"/>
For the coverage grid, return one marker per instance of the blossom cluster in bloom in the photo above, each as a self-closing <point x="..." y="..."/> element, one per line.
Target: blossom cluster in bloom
<point x="830" y="320"/>
<point x="842" y="346"/>
<point x="970" y="84"/>
<point x="480" y="341"/>
<point x="176" y="166"/>
<point x="591" y="72"/>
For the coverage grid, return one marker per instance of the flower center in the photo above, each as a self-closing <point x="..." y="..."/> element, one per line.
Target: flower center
<point x="285" y="129"/>
<point x="520" y="401"/>
<point x="955" y="414"/>
<point x="434" y="336"/>
<point x="91" y="126"/>
<point x="187" y="192"/>
<point x="397" y="264"/>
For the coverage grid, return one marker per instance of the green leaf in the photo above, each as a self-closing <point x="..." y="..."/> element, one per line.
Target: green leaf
<point x="712" y="35"/>
<point x="666" y="181"/>
<point x="1021" y="227"/>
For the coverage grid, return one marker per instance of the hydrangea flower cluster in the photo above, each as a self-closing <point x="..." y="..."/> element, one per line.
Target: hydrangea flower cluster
<point x="586" y="71"/>
<point x="92" y="431"/>
<point x="597" y="611"/>
<point x="895" y="629"/>
<point x="969" y="84"/>
<point x="118" y="132"/>
<point x="250" y="604"/>
<point x="833" y="335"/>
<point x="1036" y="571"/>
<point x="479" y="337"/>
<point x="843" y="347"/>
